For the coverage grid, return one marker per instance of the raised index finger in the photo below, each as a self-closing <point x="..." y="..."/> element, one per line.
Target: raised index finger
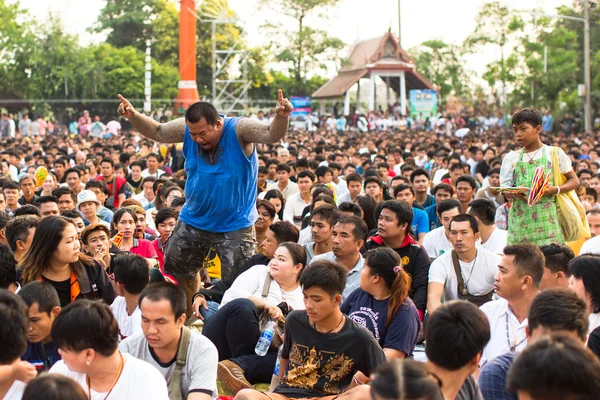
<point x="279" y="95"/>
<point x="123" y="99"/>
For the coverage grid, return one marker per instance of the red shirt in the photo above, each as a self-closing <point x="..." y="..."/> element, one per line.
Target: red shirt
<point x="117" y="190"/>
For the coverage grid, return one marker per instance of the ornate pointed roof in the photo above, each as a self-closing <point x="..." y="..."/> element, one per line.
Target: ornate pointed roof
<point x="377" y="54"/>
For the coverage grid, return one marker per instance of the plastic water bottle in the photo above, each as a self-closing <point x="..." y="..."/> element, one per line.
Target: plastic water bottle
<point x="275" y="378"/>
<point x="266" y="337"/>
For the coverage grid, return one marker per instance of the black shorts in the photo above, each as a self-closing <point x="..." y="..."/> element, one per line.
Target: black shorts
<point x="187" y="248"/>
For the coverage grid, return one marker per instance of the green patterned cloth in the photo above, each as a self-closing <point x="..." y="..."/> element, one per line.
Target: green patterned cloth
<point x="537" y="224"/>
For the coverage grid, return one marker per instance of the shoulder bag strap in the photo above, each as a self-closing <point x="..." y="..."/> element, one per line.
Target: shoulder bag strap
<point x="174" y="385"/>
<point x="459" y="277"/>
<point x="266" y="286"/>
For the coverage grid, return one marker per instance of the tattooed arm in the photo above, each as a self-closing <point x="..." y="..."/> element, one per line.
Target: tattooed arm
<point x="170" y="132"/>
<point x="252" y="131"/>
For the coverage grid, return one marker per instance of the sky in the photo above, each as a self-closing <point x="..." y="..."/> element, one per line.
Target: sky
<point x="422" y="20"/>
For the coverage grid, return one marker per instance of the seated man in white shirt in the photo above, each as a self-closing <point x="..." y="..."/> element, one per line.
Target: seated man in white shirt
<point x="163" y="316"/>
<point x="348" y="237"/>
<point x="146" y="198"/>
<point x="354" y="186"/>
<point x="152" y="162"/>
<point x="131" y="277"/>
<point x="478" y="267"/>
<point x="284" y="184"/>
<point x="518" y="280"/>
<point x="296" y="204"/>
<point x="436" y="242"/>
<point x="592" y="246"/>
<point x="492" y="238"/>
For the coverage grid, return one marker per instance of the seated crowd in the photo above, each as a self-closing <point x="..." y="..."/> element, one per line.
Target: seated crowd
<point x="376" y="278"/>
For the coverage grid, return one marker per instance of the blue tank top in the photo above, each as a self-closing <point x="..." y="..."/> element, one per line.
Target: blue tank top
<point x="220" y="197"/>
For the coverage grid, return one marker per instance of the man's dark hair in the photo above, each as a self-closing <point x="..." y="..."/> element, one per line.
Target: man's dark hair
<point x="456" y="333"/>
<point x="44" y="199"/>
<point x="132" y="271"/>
<point x="448" y="205"/>
<point x="8" y="267"/>
<point x="373" y="179"/>
<point x="165" y="291"/>
<point x="148" y="179"/>
<point x="92" y="183"/>
<point x="354" y="177"/>
<point x="306" y="174"/>
<point x="18" y="229"/>
<point x="360" y="231"/>
<point x="61" y="191"/>
<point x="466" y="218"/>
<point x="327" y="212"/>
<point x="272" y="161"/>
<point x="283" y="167"/>
<point x="109" y="161"/>
<point x="178" y="201"/>
<point x="86" y="324"/>
<point x="494" y="171"/>
<point x="529" y="116"/>
<point x="350" y="207"/>
<point x="418" y="172"/>
<point x="322" y="171"/>
<point x="200" y="110"/>
<point x="62" y="161"/>
<point x="529" y="260"/>
<point x="402" y="187"/>
<point x="585" y="171"/>
<point x="443" y="186"/>
<point x="77" y="170"/>
<point x="71" y="214"/>
<point x="559" y="310"/>
<point x="3" y="220"/>
<point x="326" y="275"/>
<point x="483" y="209"/>
<point x="557" y="257"/>
<point x="10" y="185"/>
<point x="592" y="192"/>
<point x="42" y="293"/>
<point x="458" y="165"/>
<point x="13" y="329"/>
<point x="165" y="214"/>
<point x="587" y="268"/>
<point x="403" y="211"/>
<point x="469" y="179"/>
<point x="285" y="231"/>
<point x="556" y="367"/>
<point x="27" y="209"/>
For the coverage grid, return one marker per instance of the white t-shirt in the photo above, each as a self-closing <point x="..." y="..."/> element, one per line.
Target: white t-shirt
<point x="496" y="242"/>
<point x="305" y="236"/>
<point x="510" y="161"/>
<point x="157" y="174"/>
<point x="479" y="280"/>
<point x="497" y="312"/>
<point x="591" y="246"/>
<point x="293" y="208"/>
<point x="128" y="324"/>
<point x="251" y="282"/>
<point x="436" y="243"/>
<point x="594" y="322"/>
<point x="199" y="373"/>
<point x="439" y="174"/>
<point x="138" y="380"/>
<point x="15" y="392"/>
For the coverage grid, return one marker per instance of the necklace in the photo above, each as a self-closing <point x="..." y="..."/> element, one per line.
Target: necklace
<point x="465" y="290"/>
<point x="515" y="344"/>
<point x="534" y="154"/>
<point x="88" y="380"/>
<point x="337" y="326"/>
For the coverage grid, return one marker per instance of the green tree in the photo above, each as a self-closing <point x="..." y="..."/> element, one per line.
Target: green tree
<point x="443" y="64"/>
<point x="308" y="49"/>
<point x="15" y="42"/>
<point x="494" y="25"/>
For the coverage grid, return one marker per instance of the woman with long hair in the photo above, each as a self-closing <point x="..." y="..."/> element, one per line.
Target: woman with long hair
<point x="234" y="328"/>
<point x="54" y="257"/>
<point x="87" y="334"/>
<point x="405" y="380"/>
<point x="367" y="204"/>
<point x="266" y="216"/>
<point x="275" y="197"/>
<point x="382" y="305"/>
<point x="165" y="194"/>
<point x="94" y="166"/>
<point x="124" y="225"/>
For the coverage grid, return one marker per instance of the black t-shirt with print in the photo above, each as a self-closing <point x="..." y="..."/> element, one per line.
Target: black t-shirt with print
<point x="321" y="364"/>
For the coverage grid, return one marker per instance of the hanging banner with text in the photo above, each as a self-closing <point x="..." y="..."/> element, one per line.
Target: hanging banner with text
<point x="423" y="102"/>
<point x="301" y="106"/>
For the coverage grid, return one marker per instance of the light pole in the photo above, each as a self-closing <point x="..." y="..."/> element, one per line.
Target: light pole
<point x="586" y="58"/>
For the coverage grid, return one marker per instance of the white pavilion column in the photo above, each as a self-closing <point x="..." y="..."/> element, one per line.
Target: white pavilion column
<point x="372" y="92"/>
<point x="403" y="92"/>
<point x="347" y="103"/>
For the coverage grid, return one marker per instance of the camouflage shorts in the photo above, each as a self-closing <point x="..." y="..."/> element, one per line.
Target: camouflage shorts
<point x="187" y="248"/>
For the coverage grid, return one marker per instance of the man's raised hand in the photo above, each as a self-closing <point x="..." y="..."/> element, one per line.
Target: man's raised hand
<point x="125" y="108"/>
<point x="284" y="107"/>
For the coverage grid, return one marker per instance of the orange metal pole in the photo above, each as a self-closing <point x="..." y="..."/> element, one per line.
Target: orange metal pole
<point x="187" y="86"/>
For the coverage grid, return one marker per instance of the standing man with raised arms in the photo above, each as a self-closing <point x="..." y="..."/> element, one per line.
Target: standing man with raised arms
<point x="221" y="189"/>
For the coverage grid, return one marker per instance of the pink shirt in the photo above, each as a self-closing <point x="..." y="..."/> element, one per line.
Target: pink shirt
<point x="144" y="248"/>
